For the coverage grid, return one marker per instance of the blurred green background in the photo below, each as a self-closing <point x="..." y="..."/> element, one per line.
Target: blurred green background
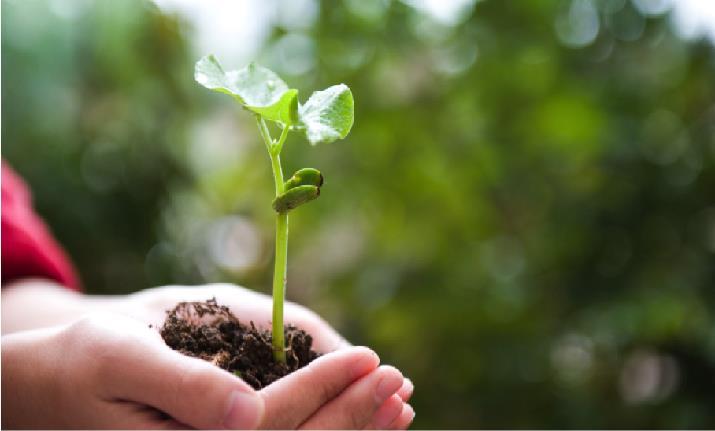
<point x="522" y="219"/>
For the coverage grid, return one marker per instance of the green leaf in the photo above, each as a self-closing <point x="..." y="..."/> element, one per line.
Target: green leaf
<point x="257" y="88"/>
<point x="328" y="114"/>
<point x="209" y="73"/>
<point x="284" y="111"/>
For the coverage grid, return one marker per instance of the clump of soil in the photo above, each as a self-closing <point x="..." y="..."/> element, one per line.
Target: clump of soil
<point x="211" y="332"/>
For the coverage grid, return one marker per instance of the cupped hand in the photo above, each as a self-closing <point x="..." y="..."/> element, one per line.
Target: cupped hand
<point x="337" y="391"/>
<point x="112" y="371"/>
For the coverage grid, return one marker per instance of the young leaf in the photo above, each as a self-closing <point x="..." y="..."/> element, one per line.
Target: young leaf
<point x="284" y="111"/>
<point x="295" y="197"/>
<point x="303" y="177"/>
<point x="328" y="114"/>
<point x="209" y="73"/>
<point x="258" y="89"/>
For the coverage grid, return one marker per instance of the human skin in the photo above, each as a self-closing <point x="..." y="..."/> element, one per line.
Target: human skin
<point x="77" y="361"/>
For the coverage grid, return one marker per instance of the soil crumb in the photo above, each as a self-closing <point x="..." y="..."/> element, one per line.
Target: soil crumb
<point x="211" y="332"/>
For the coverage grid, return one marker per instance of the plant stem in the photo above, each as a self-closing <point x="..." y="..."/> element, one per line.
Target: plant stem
<point x="279" y="145"/>
<point x="281" y="261"/>
<point x="279" y="272"/>
<point x="279" y="283"/>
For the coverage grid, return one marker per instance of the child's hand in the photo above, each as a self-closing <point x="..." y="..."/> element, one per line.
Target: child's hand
<point x="114" y="371"/>
<point x="111" y="371"/>
<point x="350" y="407"/>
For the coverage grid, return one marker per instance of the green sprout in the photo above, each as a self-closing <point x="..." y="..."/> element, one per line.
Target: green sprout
<point x="325" y="117"/>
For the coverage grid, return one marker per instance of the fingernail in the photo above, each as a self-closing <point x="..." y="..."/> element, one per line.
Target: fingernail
<point x="368" y="361"/>
<point x="390" y="383"/>
<point x="387" y="413"/>
<point x="245" y="410"/>
<point x="410" y="412"/>
<point x="408" y="388"/>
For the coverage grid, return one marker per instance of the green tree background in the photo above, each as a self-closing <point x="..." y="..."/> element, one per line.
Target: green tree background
<point x="523" y="225"/>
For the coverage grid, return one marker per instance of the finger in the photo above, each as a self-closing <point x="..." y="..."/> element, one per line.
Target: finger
<point x="291" y="400"/>
<point x="387" y="413"/>
<point x="404" y="420"/>
<point x="190" y="390"/>
<point x="369" y="399"/>
<point x="406" y="390"/>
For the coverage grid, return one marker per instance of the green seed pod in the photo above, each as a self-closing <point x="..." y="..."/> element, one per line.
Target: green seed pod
<point x="305" y="177"/>
<point x="295" y="197"/>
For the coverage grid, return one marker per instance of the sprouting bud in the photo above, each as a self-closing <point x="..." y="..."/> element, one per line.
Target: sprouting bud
<point x="305" y="177"/>
<point x="295" y="197"/>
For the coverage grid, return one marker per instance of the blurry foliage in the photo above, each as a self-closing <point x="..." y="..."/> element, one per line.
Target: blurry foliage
<point x="95" y="106"/>
<point x="529" y="231"/>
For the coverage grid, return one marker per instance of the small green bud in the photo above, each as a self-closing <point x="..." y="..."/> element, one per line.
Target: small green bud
<point x="295" y="197"/>
<point x="305" y="177"/>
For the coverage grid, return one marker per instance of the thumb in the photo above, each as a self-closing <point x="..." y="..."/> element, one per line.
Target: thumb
<point x="190" y="390"/>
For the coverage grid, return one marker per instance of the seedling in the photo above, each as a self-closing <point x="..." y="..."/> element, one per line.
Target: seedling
<point x="325" y="117"/>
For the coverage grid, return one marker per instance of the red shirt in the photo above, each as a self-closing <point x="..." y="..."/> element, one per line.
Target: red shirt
<point x="28" y="247"/>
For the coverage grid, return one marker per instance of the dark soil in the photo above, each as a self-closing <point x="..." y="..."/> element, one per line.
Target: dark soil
<point x="211" y="332"/>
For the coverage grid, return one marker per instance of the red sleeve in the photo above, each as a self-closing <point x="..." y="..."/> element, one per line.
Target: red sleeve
<point x="28" y="247"/>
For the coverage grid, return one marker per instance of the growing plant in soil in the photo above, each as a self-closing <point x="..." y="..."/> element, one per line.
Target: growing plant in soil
<point x="325" y="117"/>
